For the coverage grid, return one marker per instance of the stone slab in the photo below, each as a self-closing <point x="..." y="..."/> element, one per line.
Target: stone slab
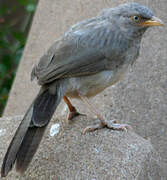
<point x="65" y="153"/>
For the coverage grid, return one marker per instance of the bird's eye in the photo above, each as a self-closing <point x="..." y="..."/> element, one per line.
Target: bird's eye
<point x="136" y="18"/>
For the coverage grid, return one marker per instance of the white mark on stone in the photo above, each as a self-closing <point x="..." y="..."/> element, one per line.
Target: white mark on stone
<point x="64" y="110"/>
<point x="55" y="128"/>
<point x="2" y="132"/>
<point x="133" y="147"/>
<point x="96" y="150"/>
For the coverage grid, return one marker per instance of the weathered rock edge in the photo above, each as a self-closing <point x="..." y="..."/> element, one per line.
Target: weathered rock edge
<point x="71" y="155"/>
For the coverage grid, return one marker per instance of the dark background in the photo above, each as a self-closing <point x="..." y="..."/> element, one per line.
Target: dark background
<point x="15" y="21"/>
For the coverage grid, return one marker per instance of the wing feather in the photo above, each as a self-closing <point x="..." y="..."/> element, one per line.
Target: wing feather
<point x="73" y="55"/>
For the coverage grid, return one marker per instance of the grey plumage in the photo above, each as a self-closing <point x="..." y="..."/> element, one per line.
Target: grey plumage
<point x="91" y="56"/>
<point x="100" y="40"/>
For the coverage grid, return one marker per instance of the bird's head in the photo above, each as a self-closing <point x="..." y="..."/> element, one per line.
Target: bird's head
<point x="135" y="17"/>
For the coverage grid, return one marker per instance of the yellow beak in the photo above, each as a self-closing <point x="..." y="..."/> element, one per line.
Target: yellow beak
<point x="154" y="21"/>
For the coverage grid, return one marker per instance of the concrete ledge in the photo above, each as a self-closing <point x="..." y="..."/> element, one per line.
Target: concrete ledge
<point x="65" y="153"/>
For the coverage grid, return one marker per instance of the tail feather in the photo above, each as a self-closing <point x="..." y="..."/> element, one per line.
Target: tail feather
<point x="14" y="146"/>
<point x="30" y="131"/>
<point x="28" y="147"/>
<point x="44" y="107"/>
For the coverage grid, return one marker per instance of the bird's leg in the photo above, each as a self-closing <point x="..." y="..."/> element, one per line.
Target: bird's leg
<point x="72" y="110"/>
<point x="103" y="123"/>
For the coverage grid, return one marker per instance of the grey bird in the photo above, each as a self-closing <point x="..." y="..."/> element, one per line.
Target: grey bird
<point x="91" y="56"/>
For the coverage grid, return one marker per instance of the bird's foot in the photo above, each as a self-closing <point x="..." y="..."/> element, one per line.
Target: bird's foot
<point x="73" y="114"/>
<point x="108" y="124"/>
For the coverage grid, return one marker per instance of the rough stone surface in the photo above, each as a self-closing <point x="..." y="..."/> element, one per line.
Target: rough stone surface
<point x="71" y="155"/>
<point x="140" y="99"/>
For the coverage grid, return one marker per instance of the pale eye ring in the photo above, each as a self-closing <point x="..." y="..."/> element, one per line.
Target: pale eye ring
<point x="136" y="18"/>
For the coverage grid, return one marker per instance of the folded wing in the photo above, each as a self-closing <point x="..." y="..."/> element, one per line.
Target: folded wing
<point x="77" y="53"/>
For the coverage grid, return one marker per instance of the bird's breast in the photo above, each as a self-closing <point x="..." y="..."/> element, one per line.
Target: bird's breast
<point x="92" y="85"/>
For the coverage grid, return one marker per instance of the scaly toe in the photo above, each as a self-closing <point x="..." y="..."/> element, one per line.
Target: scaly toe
<point x="116" y="126"/>
<point x="93" y="128"/>
<point x="108" y="124"/>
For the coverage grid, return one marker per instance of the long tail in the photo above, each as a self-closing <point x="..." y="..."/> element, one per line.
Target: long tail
<point x="30" y="131"/>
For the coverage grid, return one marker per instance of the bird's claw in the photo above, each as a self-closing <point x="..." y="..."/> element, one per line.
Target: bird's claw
<point x="108" y="124"/>
<point x="93" y="128"/>
<point x="116" y="126"/>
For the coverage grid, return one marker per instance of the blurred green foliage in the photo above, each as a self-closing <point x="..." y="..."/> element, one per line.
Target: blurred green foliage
<point x="15" y="20"/>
